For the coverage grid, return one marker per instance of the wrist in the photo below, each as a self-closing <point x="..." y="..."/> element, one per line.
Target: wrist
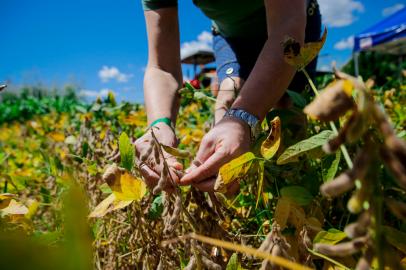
<point x="250" y="120"/>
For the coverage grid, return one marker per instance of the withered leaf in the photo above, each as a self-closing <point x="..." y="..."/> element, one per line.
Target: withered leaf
<point x="271" y="144"/>
<point x="299" y="56"/>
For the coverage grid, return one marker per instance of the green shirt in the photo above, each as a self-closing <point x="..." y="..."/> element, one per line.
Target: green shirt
<point x="232" y="18"/>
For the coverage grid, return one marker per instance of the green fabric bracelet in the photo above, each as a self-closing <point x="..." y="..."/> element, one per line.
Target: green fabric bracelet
<point x="165" y="120"/>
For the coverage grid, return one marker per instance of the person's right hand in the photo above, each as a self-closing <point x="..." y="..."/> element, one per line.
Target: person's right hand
<point x="151" y="171"/>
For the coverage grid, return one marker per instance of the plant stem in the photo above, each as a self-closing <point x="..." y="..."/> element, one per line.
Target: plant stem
<point x="332" y="125"/>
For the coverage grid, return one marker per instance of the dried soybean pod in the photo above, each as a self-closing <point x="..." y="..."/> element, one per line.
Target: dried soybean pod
<point x="342" y="249"/>
<point x="266" y="244"/>
<point x="341" y="184"/>
<point x="334" y="144"/>
<point x="333" y="102"/>
<point x="192" y="264"/>
<point x="360" y="227"/>
<point x="166" y="204"/>
<point x="364" y="263"/>
<point x="277" y="252"/>
<point x="209" y="264"/>
<point x="111" y="174"/>
<point x="147" y="153"/>
<point x="161" y="184"/>
<point x="156" y="153"/>
<point x="176" y="210"/>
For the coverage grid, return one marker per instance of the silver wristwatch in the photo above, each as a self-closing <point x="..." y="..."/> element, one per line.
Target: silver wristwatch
<point x="252" y="121"/>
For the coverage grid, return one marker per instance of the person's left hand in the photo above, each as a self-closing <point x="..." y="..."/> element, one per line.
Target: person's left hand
<point x="227" y="140"/>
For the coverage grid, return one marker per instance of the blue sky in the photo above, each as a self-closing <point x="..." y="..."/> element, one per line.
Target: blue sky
<point x="101" y="44"/>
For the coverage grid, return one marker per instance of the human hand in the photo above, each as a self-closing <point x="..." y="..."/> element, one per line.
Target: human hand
<point x="149" y="168"/>
<point x="227" y="140"/>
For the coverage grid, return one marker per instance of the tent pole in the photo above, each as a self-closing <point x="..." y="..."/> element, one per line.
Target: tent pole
<point x="356" y="63"/>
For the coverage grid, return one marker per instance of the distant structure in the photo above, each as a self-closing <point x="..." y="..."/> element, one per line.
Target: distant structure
<point x="387" y="36"/>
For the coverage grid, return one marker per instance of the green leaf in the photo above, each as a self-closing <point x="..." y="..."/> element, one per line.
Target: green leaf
<point x="297" y="99"/>
<point x="126" y="152"/>
<point x="395" y="238"/>
<point x="332" y="237"/>
<point x="329" y="166"/>
<point x="293" y="152"/>
<point x="157" y="208"/>
<point x="105" y="188"/>
<point x="233" y="263"/>
<point x="298" y="194"/>
<point x="260" y="174"/>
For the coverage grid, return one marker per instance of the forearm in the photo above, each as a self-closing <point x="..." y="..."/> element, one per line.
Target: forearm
<point x="161" y="94"/>
<point x="163" y="76"/>
<point x="271" y="75"/>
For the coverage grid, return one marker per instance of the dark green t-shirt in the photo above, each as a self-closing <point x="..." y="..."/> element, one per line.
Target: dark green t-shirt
<point x="232" y="18"/>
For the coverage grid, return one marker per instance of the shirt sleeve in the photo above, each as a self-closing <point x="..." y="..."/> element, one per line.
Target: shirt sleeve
<point x="157" y="4"/>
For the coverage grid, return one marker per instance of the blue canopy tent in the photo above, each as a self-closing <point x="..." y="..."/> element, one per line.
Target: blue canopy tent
<point x="387" y="36"/>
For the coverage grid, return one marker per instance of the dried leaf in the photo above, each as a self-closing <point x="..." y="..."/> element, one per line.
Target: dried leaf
<point x="126" y="151"/>
<point x="282" y="211"/>
<point x="293" y="152"/>
<point x="233" y="170"/>
<point x="299" y="56"/>
<point x="333" y="102"/>
<point x="104" y="207"/>
<point x="271" y="144"/>
<point x="109" y="204"/>
<point x="175" y="152"/>
<point x="15" y="208"/>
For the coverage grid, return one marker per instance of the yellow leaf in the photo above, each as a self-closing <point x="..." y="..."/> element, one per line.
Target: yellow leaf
<point x="15" y="208"/>
<point x="299" y="56"/>
<point x="233" y="170"/>
<point x="282" y="211"/>
<point x="128" y="188"/>
<point x="32" y="208"/>
<point x="270" y="146"/>
<point x="57" y="136"/>
<point x="109" y="204"/>
<point x="104" y="207"/>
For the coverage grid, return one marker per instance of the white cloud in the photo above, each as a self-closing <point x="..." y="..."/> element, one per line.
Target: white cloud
<point x="340" y="13"/>
<point x="204" y="42"/>
<point x="112" y="73"/>
<point x="324" y="68"/>
<point x="392" y="9"/>
<point x="94" y="94"/>
<point x="345" y="44"/>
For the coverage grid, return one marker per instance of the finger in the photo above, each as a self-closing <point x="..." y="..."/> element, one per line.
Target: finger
<point x="206" y="185"/>
<point x="206" y="149"/>
<point x="174" y="163"/>
<point x="150" y="177"/>
<point x="207" y="169"/>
